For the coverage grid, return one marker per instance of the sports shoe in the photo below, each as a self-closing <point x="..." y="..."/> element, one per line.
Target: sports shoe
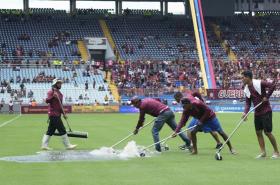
<point x="71" y="147"/>
<point x="185" y="147"/>
<point x="158" y="150"/>
<point x="275" y="156"/>
<point x="261" y="155"/>
<point x="189" y="148"/>
<point x="219" y="145"/>
<point x="233" y="152"/>
<point x="165" y="147"/>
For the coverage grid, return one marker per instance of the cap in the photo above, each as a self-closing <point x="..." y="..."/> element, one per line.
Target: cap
<point x="135" y="99"/>
<point x="56" y="80"/>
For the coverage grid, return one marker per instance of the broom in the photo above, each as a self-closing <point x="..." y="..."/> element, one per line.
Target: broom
<point x="70" y="133"/>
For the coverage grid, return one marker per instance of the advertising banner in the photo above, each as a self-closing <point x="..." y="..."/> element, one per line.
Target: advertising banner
<point x="225" y="93"/>
<point x="226" y="108"/>
<point x="128" y="109"/>
<point x="41" y="109"/>
<point x="94" y="109"/>
<point x="216" y="94"/>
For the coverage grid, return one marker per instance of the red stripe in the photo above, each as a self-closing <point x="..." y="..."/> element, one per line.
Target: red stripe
<point x="207" y="47"/>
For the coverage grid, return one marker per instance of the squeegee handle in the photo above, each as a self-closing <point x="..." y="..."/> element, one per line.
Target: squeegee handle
<point x="121" y="140"/>
<point x="238" y="125"/>
<point x="63" y="112"/>
<point x="131" y="134"/>
<point x="167" y="138"/>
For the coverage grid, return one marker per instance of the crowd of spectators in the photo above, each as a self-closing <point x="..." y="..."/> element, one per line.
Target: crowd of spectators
<point x="43" y="78"/>
<point x="162" y="76"/>
<point x="157" y="75"/>
<point x="15" y="94"/>
<point x="228" y="74"/>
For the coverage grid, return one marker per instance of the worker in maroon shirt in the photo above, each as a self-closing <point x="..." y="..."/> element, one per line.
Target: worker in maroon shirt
<point x="207" y="118"/>
<point x="256" y="92"/>
<point x="163" y="115"/>
<point x="54" y="100"/>
<point x="196" y="95"/>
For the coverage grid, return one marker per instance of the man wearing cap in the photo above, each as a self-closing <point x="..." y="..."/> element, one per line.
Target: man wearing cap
<point x="54" y="99"/>
<point x="207" y="118"/>
<point x="163" y="115"/>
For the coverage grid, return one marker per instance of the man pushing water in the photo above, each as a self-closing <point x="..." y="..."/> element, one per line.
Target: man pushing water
<point x="163" y="115"/>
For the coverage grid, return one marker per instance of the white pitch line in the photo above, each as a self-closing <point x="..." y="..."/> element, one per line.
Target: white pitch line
<point x="7" y="122"/>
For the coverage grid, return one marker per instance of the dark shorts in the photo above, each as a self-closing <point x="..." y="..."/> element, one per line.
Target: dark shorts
<point x="55" y="123"/>
<point x="264" y="122"/>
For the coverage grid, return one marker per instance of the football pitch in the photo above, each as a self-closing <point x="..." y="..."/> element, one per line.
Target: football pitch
<point x="174" y="167"/>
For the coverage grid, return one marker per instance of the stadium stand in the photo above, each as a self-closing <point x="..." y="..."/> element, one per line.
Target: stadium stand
<point x="40" y="35"/>
<point x="158" y="38"/>
<point x="158" y="55"/>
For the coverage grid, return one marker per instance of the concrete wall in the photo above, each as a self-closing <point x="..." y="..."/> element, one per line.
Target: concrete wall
<point x="218" y="7"/>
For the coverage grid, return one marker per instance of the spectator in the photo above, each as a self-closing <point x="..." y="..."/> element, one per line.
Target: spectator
<point x="18" y="79"/>
<point x="94" y="83"/>
<point x="1" y="106"/>
<point x="2" y="101"/>
<point x="9" y="89"/>
<point x="33" y="103"/>
<point x="11" y="107"/>
<point x="86" y="97"/>
<point x="86" y="85"/>
<point x="30" y="94"/>
<point x="106" y="98"/>
<point x="21" y="86"/>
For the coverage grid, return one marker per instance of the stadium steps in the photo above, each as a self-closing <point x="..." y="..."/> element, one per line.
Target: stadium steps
<point x="114" y="91"/>
<point x="107" y="33"/>
<point x="113" y="87"/>
<point x="217" y="32"/>
<point x="83" y="50"/>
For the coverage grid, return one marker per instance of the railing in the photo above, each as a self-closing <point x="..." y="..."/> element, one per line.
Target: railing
<point x="35" y="58"/>
<point x="70" y="95"/>
<point x="49" y="63"/>
<point x="150" y="92"/>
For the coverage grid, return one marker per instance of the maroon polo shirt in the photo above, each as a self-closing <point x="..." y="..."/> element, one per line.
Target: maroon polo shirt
<point x="152" y="107"/>
<point x="54" y="108"/>
<point x="199" y="111"/>
<point x="193" y="95"/>
<point x="257" y="98"/>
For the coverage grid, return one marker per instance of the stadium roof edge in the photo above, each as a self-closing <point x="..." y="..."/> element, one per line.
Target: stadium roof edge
<point x="130" y="0"/>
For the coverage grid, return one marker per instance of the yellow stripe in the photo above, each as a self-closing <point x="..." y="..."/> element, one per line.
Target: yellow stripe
<point x="197" y="38"/>
<point x="107" y="33"/>
<point x="83" y="50"/>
